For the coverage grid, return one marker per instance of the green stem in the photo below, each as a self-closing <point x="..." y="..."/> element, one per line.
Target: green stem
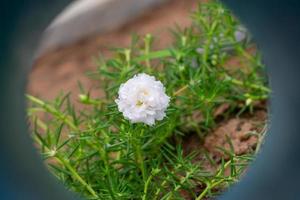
<point x="234" y="81"/>
<point x="180" y="90"/>
<point x="146" y="187"/>
<point x="71" y="169"/>
<point x="187" y="177"/>
<point x="53" y="111"/>
<point x="207" y="188"/>
<point x="74" y="173"/>
<point x="204" y="192"/>
<point x="127" y="53"/>
<point x="159" y="189"/>
<point x="213" y="183"/>
<point x="140" y="161"/>
<point x="147" y="41"/>
<point x="154" y="55"/>
<point x="246" y="54"/>
<point x="162" y="185"/>
<point x="253" y="86"/>
<point x="77" y="176"/>
<point x="104" y="157"/>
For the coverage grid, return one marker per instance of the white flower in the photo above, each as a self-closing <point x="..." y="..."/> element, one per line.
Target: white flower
<point x="143" y="99"/>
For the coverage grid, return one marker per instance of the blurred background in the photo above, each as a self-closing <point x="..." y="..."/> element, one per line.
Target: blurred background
<point x="89" y="27"/>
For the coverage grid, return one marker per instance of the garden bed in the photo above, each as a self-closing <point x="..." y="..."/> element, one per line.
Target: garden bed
<point x="211" y="147"/>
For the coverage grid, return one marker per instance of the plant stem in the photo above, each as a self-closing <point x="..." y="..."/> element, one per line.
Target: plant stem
<point x="180" y="90"/>
<point x="254" y="86"/>
<point x="137" y="136"/>
<point x="234" y="81"/>
<point x="75" y="175"/>
<point x="204" y="192"/>
<point x="213" y="183"/>
<point x="154" y="55"/>
<point x="187" y="176"/>
<point x="147" y="41"/>
<point x="140" y="161"/>
<point x="53" y="111"/>
<point x="158" y="190"/>
<point x="146" y="187"/>
<point x="162" y="185"/>
<point x="127" y="53"/>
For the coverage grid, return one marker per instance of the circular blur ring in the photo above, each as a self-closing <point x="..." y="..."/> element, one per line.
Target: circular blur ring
<point x="274" y="174"/>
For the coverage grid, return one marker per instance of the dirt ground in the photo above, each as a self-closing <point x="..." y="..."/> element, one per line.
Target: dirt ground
<point x="60" y="69"/>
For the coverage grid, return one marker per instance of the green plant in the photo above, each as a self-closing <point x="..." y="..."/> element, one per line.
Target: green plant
<point x="101" y="155"/>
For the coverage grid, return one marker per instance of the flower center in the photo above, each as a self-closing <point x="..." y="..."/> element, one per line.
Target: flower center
<point x="139" y="103"/>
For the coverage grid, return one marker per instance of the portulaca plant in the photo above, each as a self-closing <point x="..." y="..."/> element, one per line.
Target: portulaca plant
<point x="131" y="144"/>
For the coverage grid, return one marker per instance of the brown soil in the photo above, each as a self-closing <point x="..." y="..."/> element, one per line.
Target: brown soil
<point x="61" y="69"/>
<point x="242" y="132"/>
